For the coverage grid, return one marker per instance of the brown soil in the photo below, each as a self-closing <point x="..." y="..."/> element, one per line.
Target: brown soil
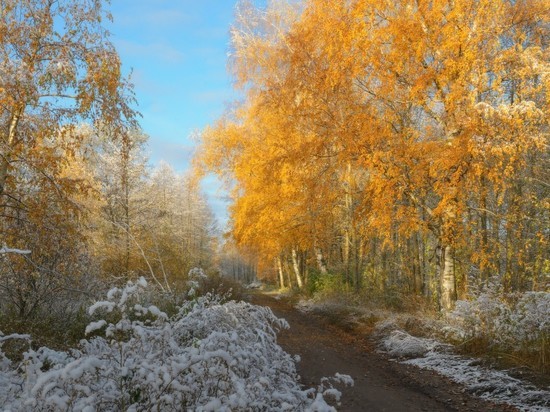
<point x="380" y="383"/>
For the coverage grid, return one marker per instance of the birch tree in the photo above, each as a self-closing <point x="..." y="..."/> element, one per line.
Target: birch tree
<point x="407" y="132"/>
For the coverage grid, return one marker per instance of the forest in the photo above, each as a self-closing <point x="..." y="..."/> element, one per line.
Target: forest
<point x="398" y="149"/>
<point x="387" y="155"/>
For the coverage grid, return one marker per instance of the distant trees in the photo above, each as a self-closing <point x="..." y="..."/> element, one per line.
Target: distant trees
<point x="179" y="231"/>
<point x="403" y="145"/>
<point x="75" y="188"/>
<point x="147" y="222"/>
<point x="119" y="166"/>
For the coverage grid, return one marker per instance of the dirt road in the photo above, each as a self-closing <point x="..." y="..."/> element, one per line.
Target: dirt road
<point x="380" y="384"/>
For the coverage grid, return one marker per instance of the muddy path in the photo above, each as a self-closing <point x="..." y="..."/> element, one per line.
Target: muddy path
<point x="380" y="384"/>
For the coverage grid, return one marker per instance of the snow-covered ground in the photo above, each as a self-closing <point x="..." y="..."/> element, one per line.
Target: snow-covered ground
<point x="212" y="356"/>
<point x="493" y="385"/>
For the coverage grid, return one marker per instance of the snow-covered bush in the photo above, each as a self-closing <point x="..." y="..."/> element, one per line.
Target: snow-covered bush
<point x="514" y="322"/>
<point x="196" y="277"/>
<point x="200" y="283"/>
<point x="482" y="316"/>
<point x="531" y="317"/>
<point x="209" y="356"/>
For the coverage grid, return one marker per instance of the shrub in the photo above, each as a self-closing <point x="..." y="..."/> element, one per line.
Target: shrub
<point x="209" y="356"/>
<point x="200" y="283"/>
<point x="516" y="323"/>
<point x="322" y="285"/>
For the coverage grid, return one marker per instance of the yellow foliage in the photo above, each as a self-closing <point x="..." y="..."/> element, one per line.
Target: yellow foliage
<point x="384" y="119"/>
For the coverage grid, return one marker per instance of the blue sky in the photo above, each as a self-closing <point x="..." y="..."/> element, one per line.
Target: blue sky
<point x="177" y="50"/>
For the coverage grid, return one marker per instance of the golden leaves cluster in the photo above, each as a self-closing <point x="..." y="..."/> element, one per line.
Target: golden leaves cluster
<point x="439" y="109"/>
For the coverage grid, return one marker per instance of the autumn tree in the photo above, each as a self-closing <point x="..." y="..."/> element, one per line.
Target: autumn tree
<point x="397" y="133"/>
<point x="430" y="88"/>
<point x="50" y="219"/>
<point x="119" y="166"/>
<point x="179" y="229"/>
<point x="58" y="69"/>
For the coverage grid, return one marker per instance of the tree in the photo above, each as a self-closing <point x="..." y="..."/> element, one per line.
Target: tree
<point x="58" y="68"/>
<point x="404" y="134"/>
<point x="119" y="166"/>
<point x="180" y="229"/>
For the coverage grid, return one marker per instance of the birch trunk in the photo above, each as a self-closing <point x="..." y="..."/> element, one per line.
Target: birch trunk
<point x="448" y="285"/>
<point x="296" y="267"/>
<point x="347" y="237"/>
<point x="5" y="156"/>
<point x="358" y="255"/>
<point x="281" y="273"/>
<point x="288" y="271"/>
<point x="346" y="254"/>
<point x="320" y="260"/>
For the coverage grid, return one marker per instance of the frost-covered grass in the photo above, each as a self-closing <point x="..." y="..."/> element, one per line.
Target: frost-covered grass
<point x="401" y="344"/>
<point x="493" y="385"/>
<point x="490" y="322"/>
<point x="513" y="329"/>
<point x="517" y="324"/>
<point x="210" y="356"/>
<point x="429" y="353"/>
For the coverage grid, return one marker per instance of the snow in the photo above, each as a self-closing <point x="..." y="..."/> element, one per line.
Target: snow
<point x="496" y="386"/>
<point x="256" y="284"/>
<point x="403" y="345"/>
<point x="211" y="356"/>
<point x="108" y="306"/>
<point x="4" y="249"/>
<point x="92" y="327"/>
<point x="344" y="379"/>
<point x="13" y="336"/>
<point x="319" y="405"/>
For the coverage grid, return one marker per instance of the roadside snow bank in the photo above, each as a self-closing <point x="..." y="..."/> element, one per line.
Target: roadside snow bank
<point x="495" y="386"/>
<point x="403" y="345"/>
<point x="486" y="383"/>
<point x="211" y="356"/>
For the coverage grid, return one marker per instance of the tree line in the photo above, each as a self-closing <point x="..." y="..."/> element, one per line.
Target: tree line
<point x="79" y="204"/>
<point x="400" y="146"/>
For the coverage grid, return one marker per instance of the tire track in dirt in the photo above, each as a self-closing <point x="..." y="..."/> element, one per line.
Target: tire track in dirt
<point x="380" y="384"/>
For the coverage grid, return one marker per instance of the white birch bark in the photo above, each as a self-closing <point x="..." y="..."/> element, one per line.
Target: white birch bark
<point x="320" y="260"/>
<point x="448" y="288"/>
<point x="296" y="267"/>
<point x="280" y="271"/>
